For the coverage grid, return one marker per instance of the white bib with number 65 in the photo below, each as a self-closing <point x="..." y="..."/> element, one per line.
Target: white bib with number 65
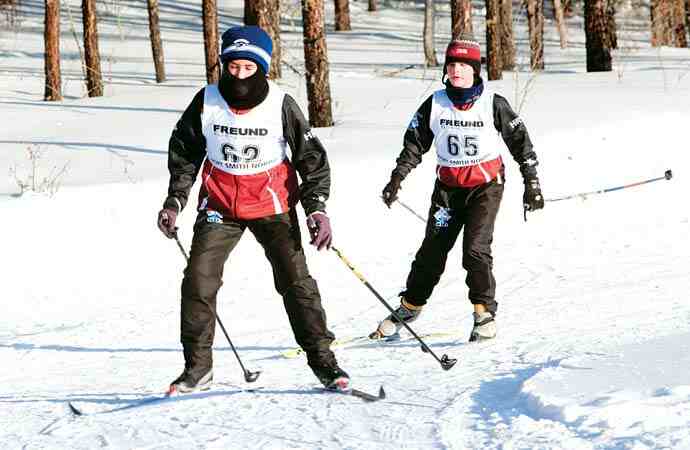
<point x="464" y="138"/>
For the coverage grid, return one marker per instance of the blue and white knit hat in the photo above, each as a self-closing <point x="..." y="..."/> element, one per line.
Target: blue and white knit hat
<point x="249" y="42"/>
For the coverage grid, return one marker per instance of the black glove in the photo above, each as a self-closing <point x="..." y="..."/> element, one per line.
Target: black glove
<point x="390" y="192"/>
<point x="532" y="199"/>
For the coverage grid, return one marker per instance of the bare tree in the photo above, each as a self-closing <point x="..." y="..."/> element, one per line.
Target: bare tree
<point x="493" y="40"/>
<point x="611" y="27"/>
<point x="461" y="17"/>
<point x="429" y="50"/>
<point x="535" y="19"/>
<point x="266" y="15"/>
<point x="210" y="18"/>
<point x="507" y="39"/>
<point x="372" y="5"/>
<point x="560" y="22"/>
<point x="680" y="38"/>
<point x="662" y="28"/>
<point x="250" y="12"/>
<point x="342" y="15"/>
<point x="92" y="57"/>
<point x="596" y="36"/>
<point x="8" y="8"/>
<point x="316" y="64"/>
<point x="156" y="43"/>
<point x="51" y="36"/>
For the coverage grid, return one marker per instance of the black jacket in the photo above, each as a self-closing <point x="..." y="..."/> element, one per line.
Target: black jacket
<point x="418" y="139"/>
<point x="187" y="150"/>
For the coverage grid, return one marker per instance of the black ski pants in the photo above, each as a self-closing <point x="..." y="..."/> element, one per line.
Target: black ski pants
<point x="453" y="209"/>
<point x="279" y="235"/>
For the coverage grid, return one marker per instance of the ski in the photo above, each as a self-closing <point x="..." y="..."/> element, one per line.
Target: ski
<point x="357" y="340"/>
<point x="79" y="411"/>
<point x="367" y="397"/>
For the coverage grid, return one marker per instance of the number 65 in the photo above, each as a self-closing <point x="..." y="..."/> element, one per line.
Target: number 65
<point x="469" y="144"/>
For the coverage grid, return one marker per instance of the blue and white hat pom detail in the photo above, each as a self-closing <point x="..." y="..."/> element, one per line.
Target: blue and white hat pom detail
<point x="247" y="42"/>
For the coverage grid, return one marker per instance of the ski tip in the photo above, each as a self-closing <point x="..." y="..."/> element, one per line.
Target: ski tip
<point x="74" y="409"/>
<point x="382" y="393"/>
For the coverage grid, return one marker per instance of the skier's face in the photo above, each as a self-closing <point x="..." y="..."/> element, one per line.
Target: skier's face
<point x="242" y="68"/>
<point x="461" y="75"/>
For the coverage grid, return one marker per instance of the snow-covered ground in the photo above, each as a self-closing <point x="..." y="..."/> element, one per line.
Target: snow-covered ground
<point x="594" y="322"/>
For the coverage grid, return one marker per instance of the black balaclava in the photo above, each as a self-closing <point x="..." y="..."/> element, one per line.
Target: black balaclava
<point x="246" y="93"/>
<point x="464" y="98"/>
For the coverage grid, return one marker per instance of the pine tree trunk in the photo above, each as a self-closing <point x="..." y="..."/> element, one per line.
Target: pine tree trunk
<point x="267" y="15"/>
<point x="51" y="36"/>
<point x="210" y="19"/>
<point x="662" y="29"/>
<point x="461" y="17"/>
<point x="372" y="5"/>
<point x="507" y="39"/>
<point x="535" y="19"/>
<point x="493" y="40"/>
<point x="429" y="50"/>
<point x="560" y="23"/>
<point x="680" y="38"/>
<point x="92" y="57"/>
<point x="316" y="64"/>
<point x="250" y="12"/>
<point x="8" y="8"/>
<point x="156" y="43"/>
<point x="596" y="36"/>
<point x="611" y="27"/>
<point x="342" y="15"/>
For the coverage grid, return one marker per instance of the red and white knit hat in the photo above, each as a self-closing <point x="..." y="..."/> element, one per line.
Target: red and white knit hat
<point x="464" y="49"/>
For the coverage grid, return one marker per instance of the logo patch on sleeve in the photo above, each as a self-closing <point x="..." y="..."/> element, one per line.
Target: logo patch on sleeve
<point x="414" y="123"/>
<point x="515" y="122"/>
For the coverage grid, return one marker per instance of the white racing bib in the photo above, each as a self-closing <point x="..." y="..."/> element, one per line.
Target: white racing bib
<point x="464" y="138"/>
<point x="244" y="144"/>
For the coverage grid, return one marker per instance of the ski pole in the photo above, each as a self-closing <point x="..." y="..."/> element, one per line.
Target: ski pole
<point x="249" y="377"/>
<point x="414" y="213"/>
<point x="667" y="176"/>
<point x="446" y="363"/>
<point x="410" y="210"/>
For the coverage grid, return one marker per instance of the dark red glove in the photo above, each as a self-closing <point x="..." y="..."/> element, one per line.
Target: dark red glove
<point x="320" y="230"/>
<point x="166" y="222"/>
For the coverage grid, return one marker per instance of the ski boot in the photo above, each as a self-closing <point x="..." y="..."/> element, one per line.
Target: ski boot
<point x="390" y="326"/>
<point x="191" y="381"/>
<point x="484" y="327"/>
<point x="330" y="374"/>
